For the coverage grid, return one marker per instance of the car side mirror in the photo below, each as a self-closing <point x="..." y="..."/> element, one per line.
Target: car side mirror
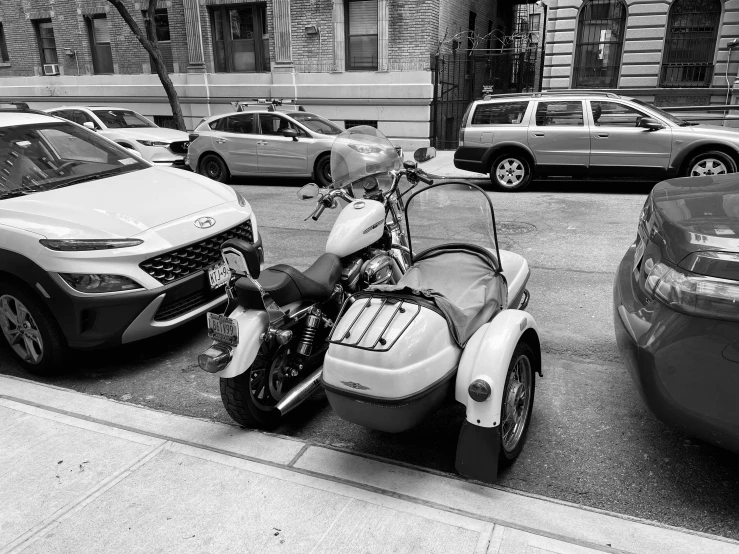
<point x="424" y="154"/>
<point x="290" y="133"/>
<point x="241" y="257"/>
<point x="650" y="124"/>
<point x="308" y="191"/>
<point x="90" y="125"/>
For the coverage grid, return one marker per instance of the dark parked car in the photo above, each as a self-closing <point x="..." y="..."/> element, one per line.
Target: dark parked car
<point x="676" y="306"/>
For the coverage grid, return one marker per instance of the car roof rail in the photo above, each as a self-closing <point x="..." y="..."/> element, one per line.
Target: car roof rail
<point x="563" y="92"/>
<point x="268" y="104"/>
<point x="21" y="107"/>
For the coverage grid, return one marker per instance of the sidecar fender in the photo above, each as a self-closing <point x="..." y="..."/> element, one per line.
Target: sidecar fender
<point x="252" y="324"/>
<point x="487" y="356"/>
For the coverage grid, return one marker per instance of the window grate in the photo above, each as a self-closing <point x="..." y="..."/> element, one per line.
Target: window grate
<point x="599" y="43"/>
<point x="690" y="45"/>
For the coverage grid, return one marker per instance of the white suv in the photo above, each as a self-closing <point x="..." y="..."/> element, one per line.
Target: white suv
<point x="132" y="130"/>
<point x="98" y="247"/>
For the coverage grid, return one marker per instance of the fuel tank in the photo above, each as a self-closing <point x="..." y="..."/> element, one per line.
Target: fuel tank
<point x="359" y="224"/>
<point x="390" y="364"/>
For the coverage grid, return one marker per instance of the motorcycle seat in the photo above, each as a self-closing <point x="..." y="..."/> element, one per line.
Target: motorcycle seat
<point x="285" y="284"/>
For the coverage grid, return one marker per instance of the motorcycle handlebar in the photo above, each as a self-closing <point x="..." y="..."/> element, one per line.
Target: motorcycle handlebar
<point x="319" y="211"/>
<point x="424" y="179"/>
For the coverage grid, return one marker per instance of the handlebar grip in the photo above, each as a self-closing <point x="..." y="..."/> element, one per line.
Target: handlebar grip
<point x="424" y="179"/>
<point x="319" y="212"/>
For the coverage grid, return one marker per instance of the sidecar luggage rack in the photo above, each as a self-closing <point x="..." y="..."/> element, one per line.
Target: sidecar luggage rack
<point x="398" y="305"/>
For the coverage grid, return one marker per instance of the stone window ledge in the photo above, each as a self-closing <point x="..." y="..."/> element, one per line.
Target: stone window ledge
<point x="5" y="64"/>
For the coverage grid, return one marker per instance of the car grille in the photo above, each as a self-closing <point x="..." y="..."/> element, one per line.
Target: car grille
<point x="179" y="147"/>
<point x="175" y="308"/>
<point x="180" y="263"/>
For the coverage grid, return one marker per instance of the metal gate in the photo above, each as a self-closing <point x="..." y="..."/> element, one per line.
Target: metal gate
<point x="461" y="75"/>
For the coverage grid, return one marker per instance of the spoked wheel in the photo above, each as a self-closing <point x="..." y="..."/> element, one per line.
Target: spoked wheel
<point x="323" y="171"/>
<point x="250" y="398"/>
<point x="510" y="172"/>
<point x="518" y="401"/>
<point x="711" y="163"/>
<point x="214" y="167"/>
<point x="30" y="331"/>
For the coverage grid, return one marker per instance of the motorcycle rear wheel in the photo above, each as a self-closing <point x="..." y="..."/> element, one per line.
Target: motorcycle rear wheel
<point x="243" y="402"/>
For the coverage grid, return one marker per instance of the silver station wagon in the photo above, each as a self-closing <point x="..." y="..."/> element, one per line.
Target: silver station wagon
<point x="266" y="140"/>
<point x="516" y="137"/>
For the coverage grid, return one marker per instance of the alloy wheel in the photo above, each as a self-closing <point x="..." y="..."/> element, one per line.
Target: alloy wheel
<point x="708" y="166"/>
<point x="516" y="403"/>
<point x="510" y="172"/>
<point x="20" y="330"/>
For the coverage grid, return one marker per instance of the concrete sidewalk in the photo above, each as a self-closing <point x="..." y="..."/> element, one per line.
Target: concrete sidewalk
<point x="83" y="474"/>
<point x="442" y="167"/>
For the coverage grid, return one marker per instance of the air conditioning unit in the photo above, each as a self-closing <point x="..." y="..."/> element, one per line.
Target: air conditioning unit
<point x="51" y="69"/>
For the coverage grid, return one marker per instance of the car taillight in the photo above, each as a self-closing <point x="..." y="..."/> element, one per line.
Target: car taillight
<point x="724" y="265"/>
<point x="694" y="294"/>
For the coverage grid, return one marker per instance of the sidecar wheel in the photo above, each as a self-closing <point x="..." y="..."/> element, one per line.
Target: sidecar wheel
<point x="517" y="404"/>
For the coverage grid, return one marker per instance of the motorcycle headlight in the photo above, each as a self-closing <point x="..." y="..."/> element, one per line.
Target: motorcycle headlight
<point x="77" y="245"/>
<point x="97" y="283"/>
<point x="152" y="142"/>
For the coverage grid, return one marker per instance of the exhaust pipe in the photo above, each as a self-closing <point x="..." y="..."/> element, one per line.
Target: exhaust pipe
<point x="295" y="397"/>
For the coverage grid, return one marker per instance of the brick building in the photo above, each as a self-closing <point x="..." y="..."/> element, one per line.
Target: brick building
<point x="349" y="60"/>
<point x="670" y="52"/>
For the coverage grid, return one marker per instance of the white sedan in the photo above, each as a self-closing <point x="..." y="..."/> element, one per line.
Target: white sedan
<point x="131" y="130"/>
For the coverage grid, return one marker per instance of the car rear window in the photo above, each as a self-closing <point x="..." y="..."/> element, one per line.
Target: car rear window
<point x="503" y="113"/>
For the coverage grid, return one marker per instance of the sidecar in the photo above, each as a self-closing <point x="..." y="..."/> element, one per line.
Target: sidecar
<point x="453" y="328"/>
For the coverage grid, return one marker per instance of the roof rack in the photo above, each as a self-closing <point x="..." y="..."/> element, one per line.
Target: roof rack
<point x="20" y="106"/>
<point x="271" y="104"/>
<point x="564" y="92"/>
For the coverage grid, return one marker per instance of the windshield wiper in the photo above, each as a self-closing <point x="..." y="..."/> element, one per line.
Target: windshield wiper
<point x="91" y="177"/>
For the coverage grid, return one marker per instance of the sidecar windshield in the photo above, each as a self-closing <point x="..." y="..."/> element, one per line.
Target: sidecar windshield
<point x="361" y="152"/>
<point x="451" y="213"/>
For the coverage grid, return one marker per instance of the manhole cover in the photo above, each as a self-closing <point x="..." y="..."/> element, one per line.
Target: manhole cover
<point x="515" y="228"/>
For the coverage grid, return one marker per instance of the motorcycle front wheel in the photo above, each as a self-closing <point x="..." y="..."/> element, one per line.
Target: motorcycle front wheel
<point x="250" y="398"/>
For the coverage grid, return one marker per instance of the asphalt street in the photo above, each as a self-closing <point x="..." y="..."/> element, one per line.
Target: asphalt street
<point x="591" y="442"/>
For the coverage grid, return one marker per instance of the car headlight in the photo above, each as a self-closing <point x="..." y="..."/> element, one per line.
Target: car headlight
<point x="241" y="199"/>
<point x="152" y="142"/>
<point x="95" y="283"/>
<point x="80" y="245"/>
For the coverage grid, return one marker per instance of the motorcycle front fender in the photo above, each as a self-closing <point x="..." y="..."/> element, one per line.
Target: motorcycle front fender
<point x="252" y="325"/>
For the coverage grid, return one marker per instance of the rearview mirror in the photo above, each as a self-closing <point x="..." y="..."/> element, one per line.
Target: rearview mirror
<point x="650" y="123"/>
<point x="424" y="154"/>
<point x="290" y="133"/>
<point x="90" y="125"/>
<point x="308" y="191"/>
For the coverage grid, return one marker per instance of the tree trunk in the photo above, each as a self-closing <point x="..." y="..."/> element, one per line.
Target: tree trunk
<point x="151" y="45"/>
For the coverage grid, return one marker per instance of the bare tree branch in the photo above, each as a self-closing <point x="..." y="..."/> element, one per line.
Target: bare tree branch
<point x="148" y="40"/>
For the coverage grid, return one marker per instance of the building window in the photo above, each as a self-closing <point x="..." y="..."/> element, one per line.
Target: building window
<point x="690" y="46"/>
<point x="361" y="35"/>
<point x="240" y="39"/>
<point x="534" y="27"/>
<point x="600" y="37"/>
<point x="358" y="122"/>
<point x="161" y="25"/>
<point x="46" y="42"/>
<point x="102" y="57"/>
<point x="3" y="47"/>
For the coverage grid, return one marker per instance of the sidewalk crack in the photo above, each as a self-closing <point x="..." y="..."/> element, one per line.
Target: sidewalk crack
<point x="330" y="527"/>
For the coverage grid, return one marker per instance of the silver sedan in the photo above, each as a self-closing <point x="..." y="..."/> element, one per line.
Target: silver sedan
<point x="263" y="143"/>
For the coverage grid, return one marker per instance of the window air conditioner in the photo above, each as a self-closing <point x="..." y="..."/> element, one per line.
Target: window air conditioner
<point x="51" y="69"/>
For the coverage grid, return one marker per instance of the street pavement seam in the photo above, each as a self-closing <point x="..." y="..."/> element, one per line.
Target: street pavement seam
<point x="331" y="527"/>
<point x="297" y="456"/>
<point x="42" y="528"/>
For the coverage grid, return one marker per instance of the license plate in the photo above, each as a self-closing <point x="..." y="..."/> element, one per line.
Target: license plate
<point x="218" y="275"/>
<point x="223" y="329"/>
<point x="640" y="245"/>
